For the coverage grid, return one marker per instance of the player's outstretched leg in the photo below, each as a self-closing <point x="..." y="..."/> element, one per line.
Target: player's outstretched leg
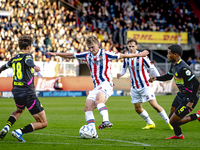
<point x="18" y="135"/>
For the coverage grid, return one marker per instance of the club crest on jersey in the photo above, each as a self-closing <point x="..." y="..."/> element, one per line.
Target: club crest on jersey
<point x="176" y="74"/>
<point x="100" y="57"/>
<point x="188" y="72"/>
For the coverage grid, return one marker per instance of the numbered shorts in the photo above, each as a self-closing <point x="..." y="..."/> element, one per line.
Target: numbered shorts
<point x="180" y="104"/>
<point x="142" y="95"/>
<point x="105" y="87"/>
<point x="31" y="102"/>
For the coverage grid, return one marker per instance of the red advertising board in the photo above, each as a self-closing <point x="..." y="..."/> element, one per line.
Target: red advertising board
<point x="47" y="83"/>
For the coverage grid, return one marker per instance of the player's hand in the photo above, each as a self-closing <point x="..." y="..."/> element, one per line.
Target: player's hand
<point x="37" y="69"/>
<point x="189" y="106"/>
<point x="144" y="53"/>
<point x="162" y="85"/>
<point x="118" y="75"/>
<point x="152" y="79"/>
<point x="50" y="53"/>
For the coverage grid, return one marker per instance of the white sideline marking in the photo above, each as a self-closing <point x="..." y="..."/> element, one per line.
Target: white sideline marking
<point x="137" y="143"/>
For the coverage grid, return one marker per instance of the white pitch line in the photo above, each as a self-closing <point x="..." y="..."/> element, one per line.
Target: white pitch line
<point x="135" y="143"/>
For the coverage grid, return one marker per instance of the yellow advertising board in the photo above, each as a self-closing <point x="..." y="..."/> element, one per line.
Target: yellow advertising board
<point x="158" y="37"/>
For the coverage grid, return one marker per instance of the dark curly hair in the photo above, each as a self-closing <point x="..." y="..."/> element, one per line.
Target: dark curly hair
<point x="25" y="41"/>
<point x="175" y="48"/>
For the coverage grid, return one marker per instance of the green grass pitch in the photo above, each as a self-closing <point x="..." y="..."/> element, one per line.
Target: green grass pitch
<point x="66" y="115"/>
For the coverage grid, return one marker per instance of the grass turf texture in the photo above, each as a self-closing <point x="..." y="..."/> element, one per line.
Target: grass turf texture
<point x="66" y="115"/>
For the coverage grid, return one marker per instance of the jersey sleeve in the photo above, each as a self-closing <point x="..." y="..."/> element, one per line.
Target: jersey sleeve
<point x="147" y="62"/>
<point x="152" y="69"/>
<point x="187" y="74"/>
<point x="112" y="56"/>
<point x="81" y="56"/>
<point x="29" y="61"/>
<point x="124" y="67"/>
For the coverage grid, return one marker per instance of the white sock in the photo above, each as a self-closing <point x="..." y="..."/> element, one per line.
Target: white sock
<point x="164" y="116"/>
<point x="103" y="111"/>
<point x="19" y="131"/>
<point x="90" y="120"/>
<point x="146" y="117"/>
<point x="7" y="127"/>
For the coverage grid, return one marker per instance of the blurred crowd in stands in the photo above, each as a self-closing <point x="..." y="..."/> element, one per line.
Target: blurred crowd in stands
<point x="58" y="29"/>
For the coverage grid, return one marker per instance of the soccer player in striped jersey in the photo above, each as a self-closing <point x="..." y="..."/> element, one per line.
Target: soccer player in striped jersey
<point x="99" y="62"/>
<point x="141" y="91"/>
<point x="187" y="97"/>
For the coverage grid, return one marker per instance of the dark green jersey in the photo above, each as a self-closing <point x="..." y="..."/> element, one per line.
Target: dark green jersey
<point x="182" y="75"/>
<point x="185" y="80"/>
<point x="23" y="69"/>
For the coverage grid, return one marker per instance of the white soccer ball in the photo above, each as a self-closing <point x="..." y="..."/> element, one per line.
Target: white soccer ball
<point x="86" y="132"/>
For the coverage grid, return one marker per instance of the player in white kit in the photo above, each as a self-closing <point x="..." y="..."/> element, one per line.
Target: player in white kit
<point x="99" y="62"/>
<point x="141" y="91"/>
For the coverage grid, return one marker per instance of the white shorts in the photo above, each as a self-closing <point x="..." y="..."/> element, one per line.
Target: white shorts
<point x="142" y="95"/>
<point x="104" y="87"/>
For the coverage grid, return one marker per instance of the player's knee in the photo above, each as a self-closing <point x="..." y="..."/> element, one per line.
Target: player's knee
<point x="138" y="109"/>
<point x="44" y="124"/>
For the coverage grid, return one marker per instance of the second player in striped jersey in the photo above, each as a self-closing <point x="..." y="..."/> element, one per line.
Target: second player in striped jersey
<point x="141" y="90"/>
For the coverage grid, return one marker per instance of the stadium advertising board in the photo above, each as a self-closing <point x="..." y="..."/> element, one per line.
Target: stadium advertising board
<point x="77" y="86"/>
<point x="158" y="37"/>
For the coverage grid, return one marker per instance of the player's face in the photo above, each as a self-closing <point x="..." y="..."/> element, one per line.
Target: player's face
<point x="132" y="47"/>
<point x="171" y="56"/>
<point x="93" y="48"/>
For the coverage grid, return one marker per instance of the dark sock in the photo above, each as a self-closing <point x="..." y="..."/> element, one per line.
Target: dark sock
<point x="193" y="117"/>
<point x="11" y="121"/>
<point x="177" y="131"/>
<point x="27" y="129"/>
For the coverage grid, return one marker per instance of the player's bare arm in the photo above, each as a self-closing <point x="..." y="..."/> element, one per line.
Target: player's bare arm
<point x="142" y="54"/>
<point x="3" y="68"/>
<point x="63" y="55"/>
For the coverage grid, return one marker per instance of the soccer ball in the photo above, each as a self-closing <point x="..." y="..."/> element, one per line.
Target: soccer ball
<point x="86" y="132"/>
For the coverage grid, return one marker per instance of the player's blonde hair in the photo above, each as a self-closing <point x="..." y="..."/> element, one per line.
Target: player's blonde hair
<point x="92" y="39"/>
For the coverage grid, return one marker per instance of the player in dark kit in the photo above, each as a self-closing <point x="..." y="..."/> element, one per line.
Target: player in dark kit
<point x="23" y="90"/>
<point x="187" y="97"/>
